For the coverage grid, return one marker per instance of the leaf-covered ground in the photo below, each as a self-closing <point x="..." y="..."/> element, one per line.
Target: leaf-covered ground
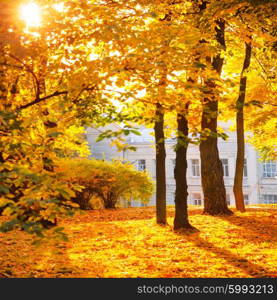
<point x="128" y="243"/>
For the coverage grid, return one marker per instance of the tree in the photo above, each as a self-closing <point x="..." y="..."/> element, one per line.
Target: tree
<point x="108" y="181"/>
<point x="211" y="166"/>
<point x="84" y="59"/>
<point x="225" y="13"/>
<point x="49" y="93"/>
<point x="160" y="138"/>
<point x="245" y="25"/>
<point x="238" y="180"/>
<point x="160" y="166"/>
<point x="180" y="173"/>
<point x="165" y="49"/>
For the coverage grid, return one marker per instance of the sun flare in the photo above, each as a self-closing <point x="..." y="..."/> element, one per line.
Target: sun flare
<point x="59" y="7"/>
<point x="31" y="14"/>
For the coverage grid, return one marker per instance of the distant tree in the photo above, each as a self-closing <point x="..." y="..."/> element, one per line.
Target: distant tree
<point x="107" y="181"/>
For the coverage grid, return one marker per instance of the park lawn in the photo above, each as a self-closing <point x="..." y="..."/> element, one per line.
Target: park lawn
<point x="127" y="243"/>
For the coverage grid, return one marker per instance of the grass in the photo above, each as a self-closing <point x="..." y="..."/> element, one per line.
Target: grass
<point x="128" y="243"/>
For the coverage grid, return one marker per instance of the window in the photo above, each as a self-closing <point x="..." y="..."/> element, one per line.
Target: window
<point x="245" y="169"/>
<point x="225" y="167"/>
<point x="173" y="197"/>
<point x="196" y="199"/>
<point x="269" y="169"/>
<point x="173" y="163"/>
<point x="228" y="199"/>
<point x="269" y="199"/>
<point x="195" y="167"/>
<point x="154" y="168"/>
<point x="246" y="199"/>
<point x="141" y="165"/>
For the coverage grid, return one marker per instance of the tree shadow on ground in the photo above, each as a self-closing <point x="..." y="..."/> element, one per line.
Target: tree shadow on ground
<point x="254" y="230"/>
<point x="253" y="270"/>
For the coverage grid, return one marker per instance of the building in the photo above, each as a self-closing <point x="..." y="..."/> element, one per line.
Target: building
<point x="260" y="178"/>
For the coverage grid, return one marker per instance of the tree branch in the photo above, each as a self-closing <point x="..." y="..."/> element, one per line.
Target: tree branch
<point x="29" y="70"/>
<point x="38" y="100"/>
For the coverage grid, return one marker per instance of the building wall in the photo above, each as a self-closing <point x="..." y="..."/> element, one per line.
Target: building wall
<point x="103" y="149"/>
<point x="254" y="184"/>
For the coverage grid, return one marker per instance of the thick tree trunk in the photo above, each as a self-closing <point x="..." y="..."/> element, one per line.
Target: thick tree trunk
<point x="180" y="175"/>
<point x="160" y="166"/>
<point x="211" y="166"/>
<point x="238" y="180"/>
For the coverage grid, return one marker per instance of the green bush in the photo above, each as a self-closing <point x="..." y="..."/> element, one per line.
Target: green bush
<point x="105" y="182"/>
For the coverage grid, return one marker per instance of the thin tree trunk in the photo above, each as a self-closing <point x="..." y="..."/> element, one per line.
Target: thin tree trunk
<point x="160" y="146"/>
<point x="211" y="166"/>
<point x="180" y="174"/>
<point x="160" y="166"/>
<point x="238" y="181"/>
<point x="3" y="78"/>
<point x="3" y="101"/>
<point x="3" y="96"/>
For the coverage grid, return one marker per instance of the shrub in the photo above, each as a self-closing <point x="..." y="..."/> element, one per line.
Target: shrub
<point x="107" y="181"/>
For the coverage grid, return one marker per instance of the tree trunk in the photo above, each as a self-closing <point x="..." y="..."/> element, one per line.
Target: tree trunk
<point x="3" y="75"/>
<point x="160" y="166"/>
<point x="211" y="166"/>
<point x="238" y="181"/>
<point x="180" y="175"/>
<point x="110" y="201"/>
<point x="4" y="106"/>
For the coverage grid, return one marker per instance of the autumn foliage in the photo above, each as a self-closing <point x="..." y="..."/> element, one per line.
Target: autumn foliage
<point x="175" y="66"/>
<point x="105" y="182"/>
<point x="78" y="63"/>
<point x="128" y="243"/>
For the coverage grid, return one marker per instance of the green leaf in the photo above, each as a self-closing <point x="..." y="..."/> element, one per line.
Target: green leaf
<point x="4" y="189"/>
<point x="54" y="134"/>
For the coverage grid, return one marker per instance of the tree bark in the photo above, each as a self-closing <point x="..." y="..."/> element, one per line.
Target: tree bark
<point x="110" y="201"/>
<point x="180" y="174"/>
<point x="160" y="166"/>
<point x="211" y="166"/>
<point x="238" y="180"/>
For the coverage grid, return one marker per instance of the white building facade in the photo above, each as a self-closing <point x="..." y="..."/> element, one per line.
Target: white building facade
<point x="260" y="178"/>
